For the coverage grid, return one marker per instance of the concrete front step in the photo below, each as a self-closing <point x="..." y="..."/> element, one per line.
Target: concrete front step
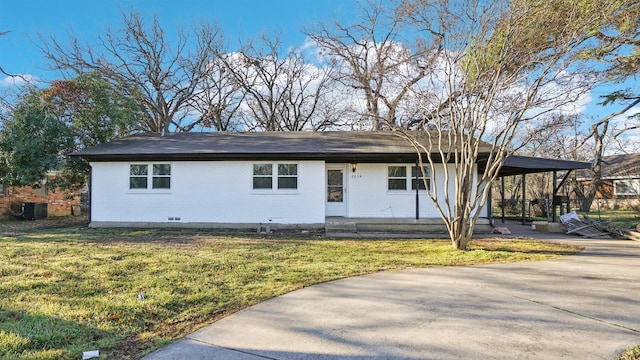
<point x="398" y="226"/>
<point x="341" y="227"/>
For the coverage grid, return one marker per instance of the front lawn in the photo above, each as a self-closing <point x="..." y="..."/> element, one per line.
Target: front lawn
<point x="126" y="292"/>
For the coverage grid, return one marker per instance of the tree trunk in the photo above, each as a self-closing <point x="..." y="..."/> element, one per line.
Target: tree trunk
<point x="585" y="203"/>
<point x="460" y="234"/>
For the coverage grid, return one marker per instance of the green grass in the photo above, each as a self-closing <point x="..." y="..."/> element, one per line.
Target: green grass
<point x="631" y="354"/>
<point x="68" y="290"/>
<point x="617" y="219"/>
<point x="622" y="218"/>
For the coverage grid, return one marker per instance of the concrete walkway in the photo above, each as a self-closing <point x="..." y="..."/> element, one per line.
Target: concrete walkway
<point x="585" y="306"/>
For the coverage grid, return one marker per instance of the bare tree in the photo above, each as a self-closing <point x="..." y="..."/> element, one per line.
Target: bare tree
<point x="281" y="93"/>
<point x="616" y="49"/>
<point x="502" y="64"/>
<point x="599" y="132"/>
<point x="7" y="95"/>
<point x="2" y="70"/>
<point x="220" y="98"/>
<point x="163" y="75"/>
<point x="381" y="57"/>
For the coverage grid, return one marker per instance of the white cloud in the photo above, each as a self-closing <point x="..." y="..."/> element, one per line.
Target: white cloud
<point x="18" y="80"/>
<point x="624" y="120"/>
<point x="628" y="136"/>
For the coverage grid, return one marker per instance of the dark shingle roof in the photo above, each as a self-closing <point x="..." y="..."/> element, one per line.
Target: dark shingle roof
<point x="330" y="146"/>
<point x="616" y="167"/>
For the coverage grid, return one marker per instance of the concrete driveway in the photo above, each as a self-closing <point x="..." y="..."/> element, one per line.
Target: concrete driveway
<point x="579" y="307"/>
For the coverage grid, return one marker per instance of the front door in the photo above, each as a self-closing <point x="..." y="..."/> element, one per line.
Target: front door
<point x="336" y="191"/>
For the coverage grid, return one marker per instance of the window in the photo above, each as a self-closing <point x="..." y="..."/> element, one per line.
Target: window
<point x="626" y="187"/>
<point x="161" y="176"/>
<point x="286" y="176"/>
<point x="397" y="178"/>
<point x="138" y="176"/>
<point x="262" y="176"/>
<point x="2" y="189"/>
<point x="141" y="178"/>
<point x="41" y="188"/>
<point x="420" y="180"/>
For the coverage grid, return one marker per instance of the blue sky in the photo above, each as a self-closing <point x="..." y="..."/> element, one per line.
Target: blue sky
<point x="239" y="19"/>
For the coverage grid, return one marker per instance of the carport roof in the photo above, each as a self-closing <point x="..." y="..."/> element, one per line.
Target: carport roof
<point x="518" y="165"/>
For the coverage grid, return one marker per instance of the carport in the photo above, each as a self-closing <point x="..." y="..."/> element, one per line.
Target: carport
<point x="523" y="165"/>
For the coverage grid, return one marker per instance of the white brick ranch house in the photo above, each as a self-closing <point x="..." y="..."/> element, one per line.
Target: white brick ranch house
<point x="249" y="180"/>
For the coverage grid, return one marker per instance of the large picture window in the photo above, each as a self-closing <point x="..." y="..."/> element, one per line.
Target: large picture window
<point x="283" y="175"/>
<point x="140" y="176"/>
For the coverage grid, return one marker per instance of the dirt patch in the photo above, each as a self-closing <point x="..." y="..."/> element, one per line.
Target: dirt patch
<point x="11" y="226"/>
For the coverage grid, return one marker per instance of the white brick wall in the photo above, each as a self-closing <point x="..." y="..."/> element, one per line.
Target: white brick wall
<point x="211" y="192"/>
<point x="368" y="195"/>
<point x="221" y="192"/>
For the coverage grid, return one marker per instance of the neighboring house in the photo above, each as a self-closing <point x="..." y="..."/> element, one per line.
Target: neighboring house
<point x="280" y="179"/>
<point x="620" y="180"/>
<point x="59" y="202"/>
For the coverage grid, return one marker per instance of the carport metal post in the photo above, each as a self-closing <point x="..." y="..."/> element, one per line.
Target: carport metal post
<point x="418" y="189"/>
<point x="502" y="198"/>
<point x="553" y="196"/>
<point x="524" y="195"/>
<point x="490" y="204"/>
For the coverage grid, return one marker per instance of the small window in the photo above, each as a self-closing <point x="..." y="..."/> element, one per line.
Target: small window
<point x="161" y="176"/>
<point x="262" y="176"/>
<point x="2" y="189"/>
<point x="418" y="180"/>
<point x="138" y="176"/>
<point x="41" y="188"/>
<point x="397" y="178"/>
<point x="626" y="187"/>
<point x="287" y="176"/>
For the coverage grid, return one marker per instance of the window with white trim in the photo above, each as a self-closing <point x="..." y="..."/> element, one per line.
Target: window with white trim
<point x="262" y="176"/>
<point x="283" y="175"/>
<point x="626" y="187"/>
<point x="150" y="176"/>
<point x="398" y="177"/>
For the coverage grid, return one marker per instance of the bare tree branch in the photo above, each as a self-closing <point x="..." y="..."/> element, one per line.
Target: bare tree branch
<point x="164" y="77"/>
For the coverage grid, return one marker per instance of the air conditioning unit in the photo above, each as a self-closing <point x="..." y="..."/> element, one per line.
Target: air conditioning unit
<point x="34" y="211"/>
